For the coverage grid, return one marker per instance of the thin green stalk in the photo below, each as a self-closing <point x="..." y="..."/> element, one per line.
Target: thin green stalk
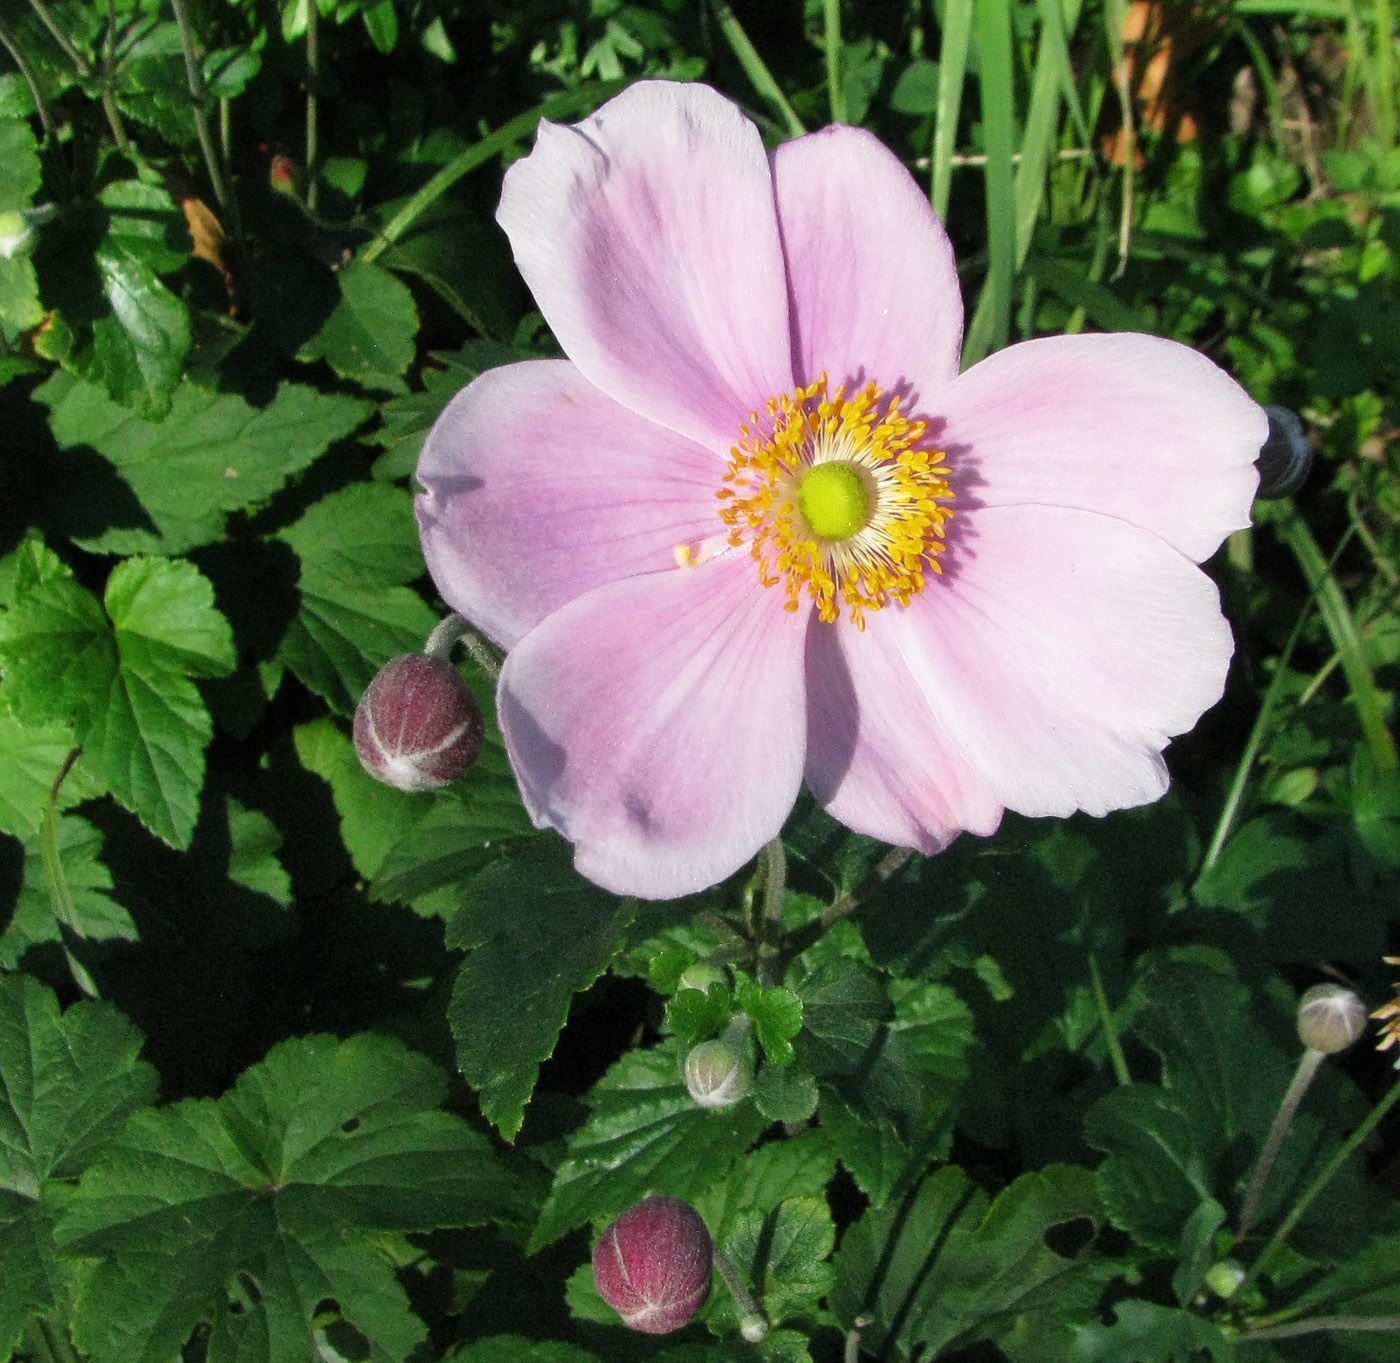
<point x="47" y="1344"/>
<point x="1384" y="113"/>
<point x="952" y="72"/>
<point x="1303" y="1076"/>
<point x="1113" y="25"/>
<point x="313" y="76"/>
<point x="770" y="927"/>
<point x="760" y="77"/>
<point x="753" y="1321"/>
<point x="832" y="9"/>
<point x="1268" y="86"/>
<point x="991" y="322"/>
<point x="1370" y="706"/>
<point x="1110" y="1032"/>
<point x="80" y="64"/>
<point x="455" y="628"/>
<point x="561" y="106"/>
<point x="1317" y="1324"/>
<point x="798" y="942"/>
<point x="194" y="79"/>
<point x="1319" y="1184"/>
<point x="1224" y="825"/>
<point x="35" y="89"/>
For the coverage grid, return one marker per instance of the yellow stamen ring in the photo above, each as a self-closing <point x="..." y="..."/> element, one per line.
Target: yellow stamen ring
<point x="835" y="497"/>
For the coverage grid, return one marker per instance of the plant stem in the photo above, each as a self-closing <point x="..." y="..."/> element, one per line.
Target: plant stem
<point x="833" y="60"/>
<point x="80" y="64"/>
<point x="1115" y="1051"/>
<point x="770" y="928"/>
<point x="194" y="78"/>
<point x="1283" y="1119"/>
<point x="1328" y="1173"/>
<point x="798" y="942"/>
<point x="35" y="89"/>
<point x="572" y="101"/>
<point x="313" y="75"/>
<point x="1385" y="79"/>
<point x="753" y="1322"/>
<point x="456" y="628"/>
<point x="760" y="77"/>
<point x="1320" y="1323"/>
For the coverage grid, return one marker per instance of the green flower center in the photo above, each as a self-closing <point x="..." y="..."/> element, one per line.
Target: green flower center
<point x="834" y="499"/>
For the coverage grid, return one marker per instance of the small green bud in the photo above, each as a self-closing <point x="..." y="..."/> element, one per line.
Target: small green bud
<point x="1224" y="1278"/>
<point x="1330" y="1018"/>
<point x="718" y="1074"/>
<point x="701" y="976"/>
<point x="16" y="235"/>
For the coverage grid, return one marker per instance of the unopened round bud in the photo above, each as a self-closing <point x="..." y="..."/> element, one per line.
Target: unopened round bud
<point x="1330" y="1018"/>
<point x="1224" y="1278"/>
<point x="754" y="1327"/>
<point x="718" y="1074"/>
<point x="653" y="1265"/>
<point x="418" y="726"/>
<point x="1286" y="457"/>
<point x="701" y="976"/>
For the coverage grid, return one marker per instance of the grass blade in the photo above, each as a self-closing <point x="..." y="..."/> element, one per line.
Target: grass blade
<point x="952" y="71"/>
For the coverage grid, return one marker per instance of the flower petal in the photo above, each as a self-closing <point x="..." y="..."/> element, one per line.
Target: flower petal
<point x="648" y="237"/>
<point x="878" y="756"/>
<point x="539" y="488"/>
<point x="1062" y="649"/>
<point x="657" y="723"/>
<point x="1128" y="425"/>
<point x="872" y="284"/>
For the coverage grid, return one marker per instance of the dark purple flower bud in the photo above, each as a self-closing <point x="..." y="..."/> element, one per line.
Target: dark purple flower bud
<point x="1286" y="458"/>
<point x="653" y="1265"/>
<point x="418" y="726"/>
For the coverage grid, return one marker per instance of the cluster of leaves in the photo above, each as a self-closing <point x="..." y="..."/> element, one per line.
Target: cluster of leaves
<point x="294" y="1066"/>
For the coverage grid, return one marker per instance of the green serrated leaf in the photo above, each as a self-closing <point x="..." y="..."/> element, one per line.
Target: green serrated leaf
<point x="777" y="1017"/>
<point x="254" y="842"/>
<point x="695" y="1015"/>
<point x="988" y="1264"/>
<point x="357" y="548"/>
<point x="1197" y="1250"/>
<point x="95" y="915"/>
<point x="538" y="933"/>
<point x="785" y="1093"/>
<point x="280" y="1182"/>
<point x="211" y="455"/>
<point x="30" y="761"/>
<point x="783" y="1256"/>
<point x="67" y="1083"/>
<point x="644" y="1134"/>
<point x="518" y="1349"/>
<point x="800" y="1166"/>
<point x="369" y="337"/>
<point x="1144" y="1332"/>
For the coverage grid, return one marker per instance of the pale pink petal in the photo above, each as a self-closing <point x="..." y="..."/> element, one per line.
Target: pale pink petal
<point x="648" y="237"/>
<point x="871" y="279"/>
<point x="658" y="724"/>
<point x="1062" y="649"/>
<point x="1131" y="426"/>
<point x="539" y="488"/>
<point x="878" y="756"/>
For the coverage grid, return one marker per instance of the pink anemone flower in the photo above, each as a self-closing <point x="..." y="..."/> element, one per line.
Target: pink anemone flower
<point x="757" y="529"/>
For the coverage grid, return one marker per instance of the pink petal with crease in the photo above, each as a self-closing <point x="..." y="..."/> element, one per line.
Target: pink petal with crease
<point x="539" y="488"/>
<point x="657" y="723"/>
<point x="878" y="756"/>
<point x="648" y="237"/>
<point x="872" y="282"/>
<point x="1131" y="426"/>
<point x="1062" y="650"/>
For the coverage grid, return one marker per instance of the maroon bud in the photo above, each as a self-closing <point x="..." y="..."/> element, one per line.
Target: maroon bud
<point x="418" y="726"/>
<point x="653" y="1265"/>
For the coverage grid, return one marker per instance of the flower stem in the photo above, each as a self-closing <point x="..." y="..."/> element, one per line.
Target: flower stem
<point x="1288" y="1109"/>
<point x="833" y="61"/>
<point x="770" y="929"/>
<point x="313" y="75"/>
<point x="1115" y="1050"/>
<point x="455" y="627"/>
<point x="753" y="1322"/>
<point x="1328" y="1173"/>
<point x="847" y="904"/>
<point x="760" y="77"/>
<point x="561" y="106"/>
<point x="35" y="89"/>
<point x="1320" y="1323"/>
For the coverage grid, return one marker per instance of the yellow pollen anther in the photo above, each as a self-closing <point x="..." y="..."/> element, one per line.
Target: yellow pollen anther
<point x="837" y="497"/>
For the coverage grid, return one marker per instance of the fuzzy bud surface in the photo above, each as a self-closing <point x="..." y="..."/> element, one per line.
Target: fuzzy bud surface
<point x="1330" y="1018"/>
<point x="653" y="1265"/>
<point x="718" y="1074"/>
<point x="418" y="726"/>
